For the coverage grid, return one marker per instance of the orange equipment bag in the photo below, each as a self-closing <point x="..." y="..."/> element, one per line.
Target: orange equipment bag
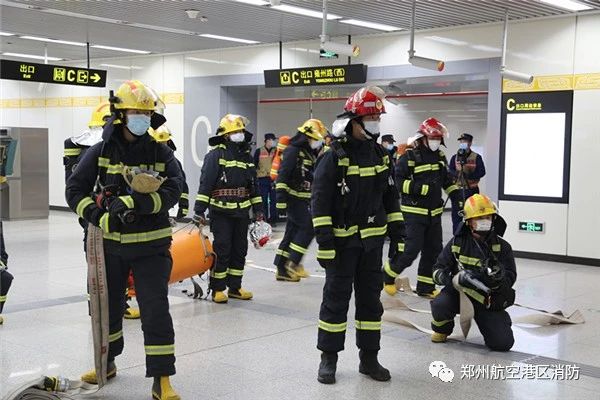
<point x="192" y="254"/>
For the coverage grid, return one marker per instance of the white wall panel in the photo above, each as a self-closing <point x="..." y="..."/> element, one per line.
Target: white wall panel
<point x="551" y="241"/>
<point x="587" y="56"/>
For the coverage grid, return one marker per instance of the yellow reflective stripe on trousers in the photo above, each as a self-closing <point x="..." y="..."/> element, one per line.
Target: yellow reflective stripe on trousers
<point x="82" y="205"/>
<point x="235" y="272"/>
<point x="469" y="260"/>
<point x="203" y="198"/>
<point x="321" y="221"/>
<point x="3" y="299"/>
<point x="184" y="196"/>
<point x="157" y="202"/>
<point x="141" y="237"/>
<point x="297" y="248"/>
<point x="395" y="216"/>
<point x="440" y="323"/>
<point x="388" y="270"/>
<point x="425" y="279"/>
<point x="283" y="186"/>
<point x="283" y="253"/>
<point x="368" y="325"/>
<point x="103" y="223"/>
<point x="326" y="254"/>
<point x="218" y="275"/>
<point x="414" y="210"/>
<point x="437" y="211"/>
<point x="378" y="231"/>
<point x="113" y="337"/>
<point x="406" y="186"/>
<point x="128" y="200"/>
<point x="474" y="294"/>
<point x="71" y="152"/>
<point x="333" y="328"/>
<point x="256" y="200"/>
<point x="160" y="350"/>
<point x="338" y="232"/>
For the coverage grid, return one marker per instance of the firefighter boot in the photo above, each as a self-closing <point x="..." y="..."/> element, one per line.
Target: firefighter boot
<point x="132" y="313"/>
<point x="240" y="293"/>
<point x="91" y="377"/>
<point x="300" y="271"/>
<point x="1" y="319"/>
<point x="219" y="297"/>
<point x="162" y="390"/>
<point x="437" y="337"/>
<point x="327" y="368"/>
<point x="370" y="366"/>
<point x="286" y="273"/>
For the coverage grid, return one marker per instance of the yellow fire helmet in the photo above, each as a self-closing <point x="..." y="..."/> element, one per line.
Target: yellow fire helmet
<point x="160" y="135"/>
<point x="232" y="123"/>
<point x="479" y="205"/>
<point x="314" y="129"/>
<point x="136" y="96"/>
<point x="100" y="112"/>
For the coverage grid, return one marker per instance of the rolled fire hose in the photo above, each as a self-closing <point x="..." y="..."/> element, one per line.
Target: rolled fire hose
<point x="394" y="308"/>
<point x="56" y="388"/>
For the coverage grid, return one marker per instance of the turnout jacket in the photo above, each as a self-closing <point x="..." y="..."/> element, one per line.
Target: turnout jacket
<point x="295" y="172"/>
<point x="72" y="153"/>
<point x="476" y="256"/>
<point x="101" y="166"/>
<point x="421" y="174"/>
<point x="354" y="201"/>
<point x="228" y="166"/>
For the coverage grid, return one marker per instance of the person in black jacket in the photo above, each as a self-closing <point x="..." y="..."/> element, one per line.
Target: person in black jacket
<point x="293" y="196"/>
<point x="354" y="205"/>
<point x="135" y="223"/>
<point x="421" y="174"/>
<point x="484" y="267"/>
<point x="229" y="188"/>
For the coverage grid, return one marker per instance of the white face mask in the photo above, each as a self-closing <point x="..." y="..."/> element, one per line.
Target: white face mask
<point x="434" y="145"/>
<point x="389" y="146"/>
<point x="482" y="225"/>
<point x="237" y="137"/>
<point x="372" y="127"/>
<point x="316" y="144"/>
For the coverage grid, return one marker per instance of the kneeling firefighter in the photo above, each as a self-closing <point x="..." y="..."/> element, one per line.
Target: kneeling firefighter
<point x="229" y="187"/>
<point x="293" y="196"/>
<point x="481" y="264"/>
<point x="354" y="204"/>
<point x="136" y="181"/>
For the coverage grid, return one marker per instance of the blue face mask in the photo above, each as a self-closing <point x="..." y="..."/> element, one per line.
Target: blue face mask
<point x="138" y="124"/>
<point x="389" y="146"/>
<point x="463" y="146"/>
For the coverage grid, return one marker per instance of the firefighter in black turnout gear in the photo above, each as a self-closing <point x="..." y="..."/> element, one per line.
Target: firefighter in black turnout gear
<point x="421" y="174"/>
<point x="126" y="185"/>
<point x="354" y="205"/>
<point x="6" y="277"/>
<point x="229" y="188"/>
<point x="293" y="195"/>
<point x="485" y="266"/>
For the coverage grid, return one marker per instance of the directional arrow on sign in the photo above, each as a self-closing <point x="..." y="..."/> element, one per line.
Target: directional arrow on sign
<point x="95" y="77"/>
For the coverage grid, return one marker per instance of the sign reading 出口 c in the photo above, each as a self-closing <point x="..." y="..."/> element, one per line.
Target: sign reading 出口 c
<point x="33" y="72"/>
<point x="314" y="76"/>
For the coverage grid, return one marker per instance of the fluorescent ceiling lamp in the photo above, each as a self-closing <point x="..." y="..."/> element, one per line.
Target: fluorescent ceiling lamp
<point x="231" y="39"/>
<point x="208" y="60"/>
<point x="482" y="47"/>
<point x="6" y="34"/>
<point x="446" y="40"/>
<point x="304" y="11"/>
<point x="254" y="2"/>
<point x="567" y="4"/>
<point x="120" y="66"/>
<point x="302" y="49"/>
<point x="32" y="56"/>
<point x="48" y="40"/>
<point x="372" y="25"/>
<point x="99" y="46"/>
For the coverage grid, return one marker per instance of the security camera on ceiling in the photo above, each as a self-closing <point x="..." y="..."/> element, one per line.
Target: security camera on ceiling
<point x="505" y="72"/>
<point x="192" y="14"/>
<point x="350" y="50"/>
<point x="418" y="61"/>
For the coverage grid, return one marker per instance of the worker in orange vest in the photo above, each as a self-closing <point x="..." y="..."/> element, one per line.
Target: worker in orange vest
<point x="263" y="159"/>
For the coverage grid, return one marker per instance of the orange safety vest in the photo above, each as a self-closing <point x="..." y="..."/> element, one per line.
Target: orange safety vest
<point x="265" y="159"/>
<point x="467" y="168"/>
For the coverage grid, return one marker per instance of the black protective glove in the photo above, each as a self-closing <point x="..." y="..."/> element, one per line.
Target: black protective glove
<point x="259" y="216"/>
<point x="117" y="206"/>
<point x="442" y="277"/>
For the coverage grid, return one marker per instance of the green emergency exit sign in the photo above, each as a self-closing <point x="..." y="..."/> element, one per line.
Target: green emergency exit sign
<point x="537" y="227"/>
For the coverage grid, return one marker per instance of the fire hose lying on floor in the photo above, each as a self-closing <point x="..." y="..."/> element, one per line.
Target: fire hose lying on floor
<point x="192" y="255"/>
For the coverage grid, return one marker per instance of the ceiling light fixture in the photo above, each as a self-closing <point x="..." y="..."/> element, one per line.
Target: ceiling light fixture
<point x="304" y="11"/>
<point x="121" y="66"/>
<point x="48" y="40"/>
<point x="568" y="5"/>
<point x="32" y="56"/>
<point x="254" y="2"/>
<point x="100" y="46"/>
<point x="371" y="25"/>
<point x="6" y="34"/>
<point x="417" y="61"/>
<point x="231" y="39"/>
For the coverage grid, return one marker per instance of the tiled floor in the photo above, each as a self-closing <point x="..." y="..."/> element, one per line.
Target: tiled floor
<point x="265" y="348"/>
